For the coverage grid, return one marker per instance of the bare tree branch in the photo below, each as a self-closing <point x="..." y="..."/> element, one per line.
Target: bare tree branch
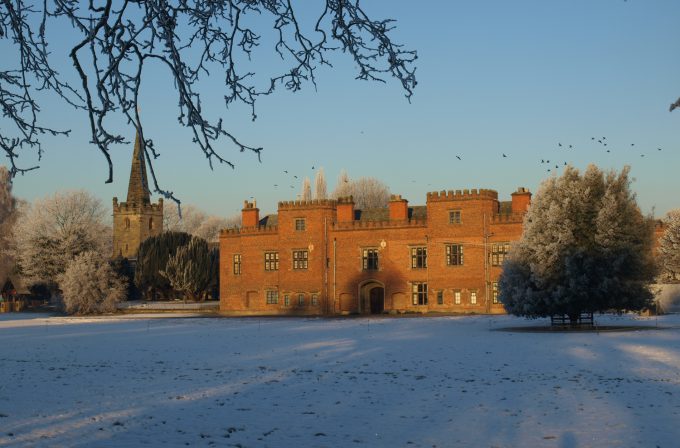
<point x="116" y="40"/>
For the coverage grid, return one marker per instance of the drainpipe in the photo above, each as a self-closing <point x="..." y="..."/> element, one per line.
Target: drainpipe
<point x="335" y="258"/>
<point x="486" y="267"/>
<point x="325" y="265"/>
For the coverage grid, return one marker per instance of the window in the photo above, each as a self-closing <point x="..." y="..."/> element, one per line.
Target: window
<point x="237" y="264"/>
<point x="369" y="259"/>
<point x="454" y="254"/>
<point x="499" y="251"/>
<point x="454" y="216"/>
<point x="440" y="297"/>
<point x="127" y="223"/>
<point x="300" y="259"/>
<point x="301" y="299"/>
<point x="494" y="290"/>
<point x="299" y="224"/>
<point x="473" y="297"/>
<point x="315" y="299"/>
<point x="419" y="293"/>
<point x="456" y="297"/>
<point x="150" y="223"/>
<point x="418" y="257"/>
<point x="286" y="300"/>
<point x="272" y="297"/>
<point x="271" y="261"/>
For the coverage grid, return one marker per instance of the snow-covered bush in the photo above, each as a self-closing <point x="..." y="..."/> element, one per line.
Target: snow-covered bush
<point x="90" y="286"/>
<point x="586" y="247"/>
<point x="669" y="247"/>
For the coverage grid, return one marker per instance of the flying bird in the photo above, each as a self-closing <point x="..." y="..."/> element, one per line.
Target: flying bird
<point x="458" y="157"/>
<point x="295" y="176"/>
<point x="632" y="144"/>
<point x="504" y="155"/>
<point x="570" y="146"/>
<point x="285" y="171"/>
<point x="559" y="144"/>
<point x="659" y="149"/>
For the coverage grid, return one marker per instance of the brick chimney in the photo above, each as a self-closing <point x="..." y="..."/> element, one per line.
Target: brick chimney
<point x="250" y="215"/>
<point x="345" y="209"/>
<point x="398" y="208"/>
<point x="521" y="200"/>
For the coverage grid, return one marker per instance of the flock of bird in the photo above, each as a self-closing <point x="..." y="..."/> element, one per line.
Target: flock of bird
<point x="294" y="176"/>
<point x="602" y="141"/>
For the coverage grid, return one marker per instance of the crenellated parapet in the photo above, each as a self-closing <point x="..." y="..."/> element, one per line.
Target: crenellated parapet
<point x="235" y="231"/>
<point x="360" y="225"/>
<point x="462" y="195"/>
<point x="314" y="203"/>
<point x="507" y="218"/>
<point x="123" y="207"/>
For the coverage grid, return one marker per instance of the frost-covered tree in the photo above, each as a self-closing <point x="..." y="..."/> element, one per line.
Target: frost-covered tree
<point x="90" y="286"/>
<point x="189" y="269"/>
<point x="320" y="188"/>
<point x="54" y="230"/>
<point x="195" y="221"/>
<point x="368" y="192"/>
<point x="306" y="191"/>
<point x="191" y="219"/>
<point x="8" y="214"/>
<point x="669" y="247"/>
<point x="586" y="247"/>
<point x="209" y="229"/>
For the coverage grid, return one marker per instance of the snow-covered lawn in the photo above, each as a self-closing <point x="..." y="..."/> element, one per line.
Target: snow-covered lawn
<point x="294" y="382"/>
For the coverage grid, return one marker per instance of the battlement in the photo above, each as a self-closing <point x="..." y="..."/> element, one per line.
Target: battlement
<point x="345" y="200"/>
<point x="360" y="225"/>
<point x="462" y="195"/>
<point x="234" y="231"/>
<point x="507" y="218"/>
<point x="314" y="203"/>
<point x="148" y="207"/>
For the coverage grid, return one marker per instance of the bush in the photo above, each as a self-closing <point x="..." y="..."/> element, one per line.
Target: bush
<point x="90" y="286"/>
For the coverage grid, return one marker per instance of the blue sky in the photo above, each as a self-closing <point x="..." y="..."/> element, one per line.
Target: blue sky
<point x="494" y="77"/>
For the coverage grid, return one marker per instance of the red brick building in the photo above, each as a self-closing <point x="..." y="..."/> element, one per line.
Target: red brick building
<point x="326" y="257"/>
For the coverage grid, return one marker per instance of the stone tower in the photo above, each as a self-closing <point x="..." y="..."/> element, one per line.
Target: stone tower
<point x="137" y="219"/>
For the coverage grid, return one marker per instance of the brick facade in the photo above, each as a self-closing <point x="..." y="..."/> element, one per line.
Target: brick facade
<point x="326" y="257"/>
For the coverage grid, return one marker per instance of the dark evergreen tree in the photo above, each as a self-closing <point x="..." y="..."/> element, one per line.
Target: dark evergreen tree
<point x="152" y="258"/>
<point x="122" y="267"/>
<point x="585" y="248"/>
<point x="189" y="269"/>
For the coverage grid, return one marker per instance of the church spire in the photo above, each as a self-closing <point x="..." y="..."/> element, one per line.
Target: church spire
<point x="138" y="188"/>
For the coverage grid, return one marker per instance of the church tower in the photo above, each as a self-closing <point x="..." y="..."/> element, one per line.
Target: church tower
<point x="137" y="219"/>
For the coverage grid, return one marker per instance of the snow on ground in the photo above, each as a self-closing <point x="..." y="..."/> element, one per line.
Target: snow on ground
<point x="353" y="382"/>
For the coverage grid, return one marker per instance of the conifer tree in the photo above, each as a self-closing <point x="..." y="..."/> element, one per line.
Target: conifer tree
<point x="152" y="259"/>
<point x="586" y="247"/>
<point x="189" y="269"/>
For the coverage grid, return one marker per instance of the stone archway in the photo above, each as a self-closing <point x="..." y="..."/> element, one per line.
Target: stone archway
<point x="372" y="297"/>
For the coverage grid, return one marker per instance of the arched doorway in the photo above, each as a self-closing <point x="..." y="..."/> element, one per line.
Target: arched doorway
<point x="372" y="297"/>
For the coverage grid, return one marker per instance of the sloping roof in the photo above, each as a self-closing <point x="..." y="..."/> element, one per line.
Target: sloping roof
<point x="269" y="221"/>
<point x="418" y="212"/>
<point x="17" y="282"/>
